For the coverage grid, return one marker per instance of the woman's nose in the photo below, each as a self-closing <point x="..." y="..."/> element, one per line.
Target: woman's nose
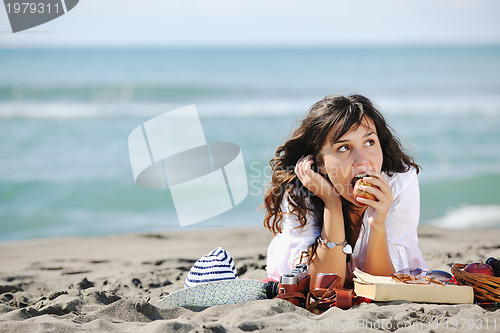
<point x="360" y="158"/>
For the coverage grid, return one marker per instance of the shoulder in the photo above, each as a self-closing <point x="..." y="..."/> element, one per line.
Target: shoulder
<point x="405" y="208"/>
<point x="402" y="182"/>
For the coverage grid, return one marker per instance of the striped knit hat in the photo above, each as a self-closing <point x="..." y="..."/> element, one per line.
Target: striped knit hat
<point x="215" y="266"/>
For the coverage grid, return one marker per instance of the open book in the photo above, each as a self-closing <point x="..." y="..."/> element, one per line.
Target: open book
<point x="385" y="288"/>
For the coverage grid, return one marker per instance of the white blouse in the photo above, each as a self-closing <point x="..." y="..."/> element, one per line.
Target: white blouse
<point x="401" y="224"/>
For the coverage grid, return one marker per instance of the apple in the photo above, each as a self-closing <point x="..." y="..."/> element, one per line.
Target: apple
<point x="479" y="268"/>
<point x="359" y="193"/>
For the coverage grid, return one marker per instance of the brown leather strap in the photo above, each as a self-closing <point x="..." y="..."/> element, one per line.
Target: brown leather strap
<point x="333" y="296"/>
<point x="322" y="296"/>
<point x="344" y="298"/>
<point x="294" y="294"/>
<point x="295" y="297"/>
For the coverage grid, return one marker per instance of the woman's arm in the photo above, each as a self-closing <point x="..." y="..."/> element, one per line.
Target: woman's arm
<point x="332" y="260"/>
<point x="378" y="260"/>
<point x="326" y="260"/>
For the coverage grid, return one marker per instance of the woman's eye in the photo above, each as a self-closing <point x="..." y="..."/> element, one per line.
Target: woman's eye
<point x="343" y="148"/>
<point x="370" y="142"/>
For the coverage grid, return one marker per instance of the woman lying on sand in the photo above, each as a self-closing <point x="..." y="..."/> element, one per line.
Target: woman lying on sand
<point x="343" y="194"/>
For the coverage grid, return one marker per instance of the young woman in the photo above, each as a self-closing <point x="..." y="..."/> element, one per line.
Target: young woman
<point x="311" y="206"/>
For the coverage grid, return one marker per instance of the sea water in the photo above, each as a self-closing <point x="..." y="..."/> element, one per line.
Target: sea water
<point x="65" y="117"/>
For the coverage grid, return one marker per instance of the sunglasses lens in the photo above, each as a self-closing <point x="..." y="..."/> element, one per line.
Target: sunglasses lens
<point x="440" y="275"/>
<point x="411" y="271"/>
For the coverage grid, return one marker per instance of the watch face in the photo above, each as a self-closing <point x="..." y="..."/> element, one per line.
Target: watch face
<point x="347" y="249"/>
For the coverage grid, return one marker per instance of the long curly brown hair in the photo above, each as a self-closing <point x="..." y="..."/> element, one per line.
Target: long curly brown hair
<point x="328" y="119"/>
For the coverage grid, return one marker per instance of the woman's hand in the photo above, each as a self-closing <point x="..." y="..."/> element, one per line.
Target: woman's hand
<point x="316" y="183"/>
<point x="383" y="198"/>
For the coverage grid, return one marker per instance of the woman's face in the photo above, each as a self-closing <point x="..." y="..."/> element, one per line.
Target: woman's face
<point x="353" y="154"/>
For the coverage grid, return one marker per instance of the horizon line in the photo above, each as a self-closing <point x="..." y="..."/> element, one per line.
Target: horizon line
<point x="253" y="46"/>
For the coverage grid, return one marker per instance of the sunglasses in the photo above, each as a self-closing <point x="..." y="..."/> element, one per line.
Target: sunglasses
<point x="419" y="276"/>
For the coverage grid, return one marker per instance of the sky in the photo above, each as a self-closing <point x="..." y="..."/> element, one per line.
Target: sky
<point x="166" y="23"/>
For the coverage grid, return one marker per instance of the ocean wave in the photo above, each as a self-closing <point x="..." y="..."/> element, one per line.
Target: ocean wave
<point x="485" y="105"/>
<point x="109" y="92"/>
<point x="470" y="216"/>
<point x="65" y="110"/>
<point x="234" y="107"/>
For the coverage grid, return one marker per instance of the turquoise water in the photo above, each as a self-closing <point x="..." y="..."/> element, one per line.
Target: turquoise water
<point x="65" y="116"/>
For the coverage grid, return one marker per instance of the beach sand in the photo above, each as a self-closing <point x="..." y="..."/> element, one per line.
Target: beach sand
<point x="111" y="284"/>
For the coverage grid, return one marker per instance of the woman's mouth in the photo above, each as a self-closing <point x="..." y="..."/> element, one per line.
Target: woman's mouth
<point x="358" y="177"/>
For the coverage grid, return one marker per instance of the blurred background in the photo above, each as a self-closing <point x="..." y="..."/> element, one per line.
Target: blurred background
<point x="73" y="89"/>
